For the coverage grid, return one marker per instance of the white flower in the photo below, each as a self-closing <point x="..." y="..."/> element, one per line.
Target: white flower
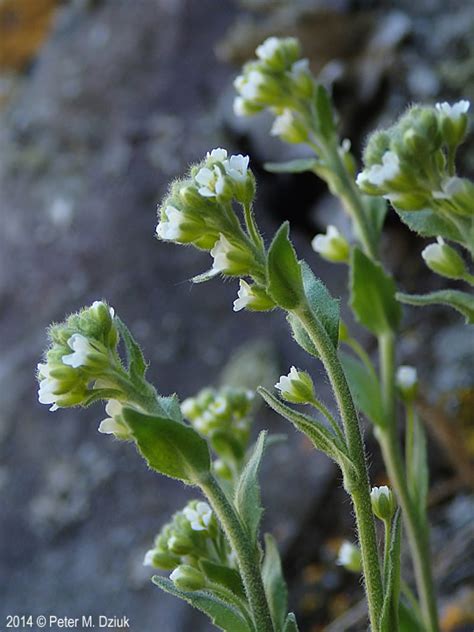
<point x="407" y="377"/>
<point x="332" y="246"/>
<point x="200" y="517"/>
<point x="81" y="348"/>
<point x="47" y="387"/>
<point x="450" y="187"/>
<point x="283" y="123"/>
<point x="299" y="67"/>
<point x="379" y="174"/>
<point x="111" y="424"/>
<point x="244" y="296"/>
<point x="383" y="501"/>
<point x="96" y="305"/>
<point x="454" y="111"/>
<point x="220" y="253"/>
<point x="236" y="167"/>
<point x="250" y="86"/>
<point x="211" y="181"/>
<point x="217" y="155"/>
<point x="148" y="559"/>
<point x="170" y="227"/>
<point x="379" y="492"/>
<point x="268" y="48"/>
<point x="349" y="557"/>
<point x="434" y="252"/>
<point x="284" y="384"/>
<point x="296" y="387"/>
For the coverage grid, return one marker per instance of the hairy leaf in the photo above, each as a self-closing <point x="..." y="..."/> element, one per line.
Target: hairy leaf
<point x="460" y="301"/>
<point x="274" y="583"/>
<point x="137" y="365"/>
<point x="390" y="608"/>
<point x="290" y="623"/>
<point x="427" y="223"/>
<point x="227" y="577"/>
<point x="284" y="274"/>
<point x="324" y="306"/>
<point x="292" y="166"/>
<point x="365" y="388"/>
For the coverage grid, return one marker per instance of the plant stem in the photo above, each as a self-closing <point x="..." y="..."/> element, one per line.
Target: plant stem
<point x="247" y="554"/>
<point x="417" y="532"/>
<point x="359" y="489"/>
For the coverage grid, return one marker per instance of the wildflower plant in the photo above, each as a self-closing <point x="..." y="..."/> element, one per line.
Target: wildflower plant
<point x="212" y="548"/>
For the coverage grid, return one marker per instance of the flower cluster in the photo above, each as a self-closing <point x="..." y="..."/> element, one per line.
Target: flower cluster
<point x="192" y="536"/>
<point x="223" y="416"/>
<point x="81" y="359"/>
<point x="412" y="163"/>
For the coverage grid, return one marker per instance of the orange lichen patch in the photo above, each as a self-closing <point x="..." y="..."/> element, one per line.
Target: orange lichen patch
<point x="24" y="24"/>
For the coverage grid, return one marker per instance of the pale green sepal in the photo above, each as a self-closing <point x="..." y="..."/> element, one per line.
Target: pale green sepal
<point x="365" y="388"/>
<point x="390" y="608"/>
<point x="285" y="285"/>
<point x="170" y="448"/>
<point x="247" y="492"/>
<point x="223" y="615"/>
<point x="460" y="301"/>
<point x="274" y="583"/>
<point x="292" y="166"/>
<point x="290" y="623"/>
<point x="373" y="295"/>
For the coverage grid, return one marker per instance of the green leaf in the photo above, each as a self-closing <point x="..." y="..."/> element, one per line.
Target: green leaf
<point x="390" y="608"/>
<point x="427" y="223"/>
<point x="301" y="336"/>
<point x="170" y="407"/>
<point x="324" y="112"/>
<point x="460" y="301"/>
<point x="373" y="295"/>
<point x="283" y="270"/>
<point x="223" y="615"/>
<point x="170" y="448"/>
<point x="365" y="388"/>
<point x="407" y="620"/>
<point x="247" y="492"/>
<point x="274" y="583"/>
<point x="225" y="444"/>
<point x="290" y="623"/>
<point x="322" y="304"/>
<point x="376" y="211"/>
<point x="418" y="471"/>
<point x="292" y="166"/>
<point x="320" y="436"/>
<point x="137" y="365"/>
<point x="223" y="575"/>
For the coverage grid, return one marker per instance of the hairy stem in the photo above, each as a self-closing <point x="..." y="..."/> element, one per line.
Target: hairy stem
<point x="359" y="489"/>
<point x="247" y="554"/>
<point x="418" y="534"/>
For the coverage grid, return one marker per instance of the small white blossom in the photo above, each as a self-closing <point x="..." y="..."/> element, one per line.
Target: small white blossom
<point x="211" y="181"/>
<point x="220" y="254"/>
<point x="283" y="123"/>
<point x="47" y="387"/>
<point x="407" y="377"/>
<point x="244" y="296"/>
<point x="170" y="228"/>
<point x="454" y="111"/>
<point x="111" y="424"/>
<point x="379" y="174"/>
<point x="284" y="384"/>
<point x="217" y="155"/>
<point x="379" y="492"/>
<point x="81" y="348"/>
<point x="450" y="187"/>
<point x="98" y="304"/>
<point x="383" y="501"/>
<point x="268" y="48"/>
<point x="236" y="167"/>
<point x="434" y="252"/>
<point x="349" y="557"/>
<point x="299" y="67"/>
<point x="250" y="86"/>
<point x="200" y="517"/>
<point x="332" y="245"/>
<point x="148" y="559"/>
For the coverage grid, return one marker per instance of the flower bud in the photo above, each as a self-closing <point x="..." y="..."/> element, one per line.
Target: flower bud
<point x="187" y="577"/>
<point x="222" y="469"/>
<point x="199" y="515"/>
<point x="349" y="557"/>
<point x="278" y="53"/>
<point x="453" y="121"/>
<point x="384" y="503"/>
<point x="160" y="559"/>
<point x="332" y="246"/>
<point x="231" y="259"/>
<point x="444" y="260"/>
<point x="115" y="423"/>
<point x="407" y="382"/>
<point x="253" y="298"/>
<point x="296" y="387"/>
<point x="289" y="127"/>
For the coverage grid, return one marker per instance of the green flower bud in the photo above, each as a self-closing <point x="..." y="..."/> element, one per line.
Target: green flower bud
<point x="231" y="259"/>
<point x="253" y="298"/>
<point x="187" y="577"/>
<point x="296" y="387"/>
<point x="332" y="246"/>
<point x="349" y="557"/>
<point x="377" y="145"/>
<point x="222" y="469"/>
<point x="444" y="260"/>
<point x="407" y="382"/>
<point x="160" y="559"/>
<point x="384" y="503"/>
<point x="278" y="54"/>
<point x="453" y="121"/>
<point x="290" y="127"/>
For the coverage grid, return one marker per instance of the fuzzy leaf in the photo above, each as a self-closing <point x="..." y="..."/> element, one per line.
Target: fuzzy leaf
<point x="171" y="408"/>
<point x="225" y="444"/>
<point x="301" y="335"/>
<point x="390" y="608"/>
<point x="223" y="615"/>
<point x="137" y="365"/>
<point x="407" y="620"/>
<point x="170" y="448"/>
<point x="376" y="211"/>
<point x="284" y="274"/>
<point x="322" y="438"/>
<point x="227" y="577"/>
<point x="274" y="583"/>
<point x="290" y="623"/>
<point x="373" y="295"/>
<point x="247" y="493"/>
<point x="365" y="388"/>
<point x="427" y="223"/>
<point x="324" y="112"/>
<point x="460" y="301"/>
<point x="322" y="304"/>
<point x="292" y="166"/>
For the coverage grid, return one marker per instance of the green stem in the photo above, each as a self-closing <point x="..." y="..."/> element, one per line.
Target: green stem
<point x="318" y="405"/>
<point x="359" y="489"/>
<point x="247" y="555"/>
<point x="417" y="533"/>
<point x="386" y="550"/>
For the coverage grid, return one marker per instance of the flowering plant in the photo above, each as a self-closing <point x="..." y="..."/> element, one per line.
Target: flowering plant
<point x="213" y="547"/>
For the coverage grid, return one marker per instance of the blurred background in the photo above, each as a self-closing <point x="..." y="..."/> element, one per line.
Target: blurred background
<point x="102" y="102"/>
